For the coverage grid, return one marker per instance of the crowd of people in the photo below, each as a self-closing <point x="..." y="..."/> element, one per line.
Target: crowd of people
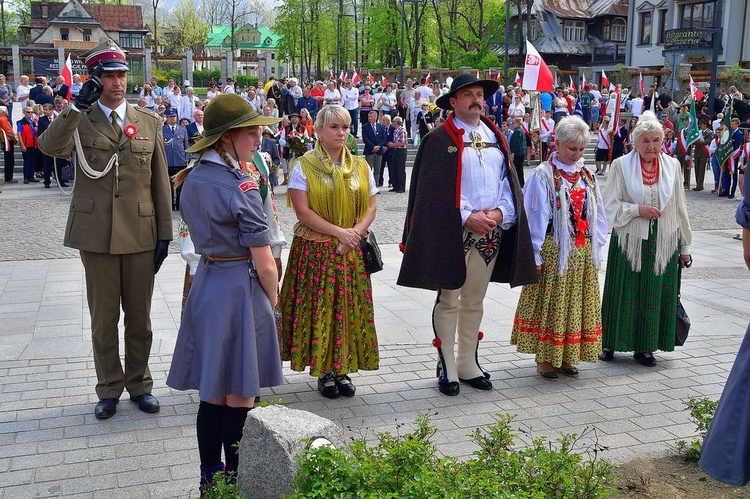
<point x="244" y="313"/>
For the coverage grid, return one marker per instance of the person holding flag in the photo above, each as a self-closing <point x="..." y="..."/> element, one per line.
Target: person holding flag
<point x="690" y="134"/>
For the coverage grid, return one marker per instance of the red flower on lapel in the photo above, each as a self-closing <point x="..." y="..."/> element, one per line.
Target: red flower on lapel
<point x="130" y="131"/>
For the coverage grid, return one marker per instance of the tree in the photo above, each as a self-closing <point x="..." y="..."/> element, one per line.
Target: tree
<point x="188" y="29"/>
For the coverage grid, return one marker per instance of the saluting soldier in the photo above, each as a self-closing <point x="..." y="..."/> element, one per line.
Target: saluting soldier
<point x="120" y="219"/>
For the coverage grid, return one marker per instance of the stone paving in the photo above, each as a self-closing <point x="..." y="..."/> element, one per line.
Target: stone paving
<point x="52" y="446"/>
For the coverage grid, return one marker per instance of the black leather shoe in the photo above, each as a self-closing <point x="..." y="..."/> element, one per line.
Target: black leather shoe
<point x="63" y="184"/>
<point x="480" y="383"/>
<point x="645" y="359"/>
<point x="106" y="408"/>
<point x="451" y="388"/>
<point x="11" y="181"/>
<point x="607" y="355"/>
<point x="345" y="386"/>
<point x="327" y="386"/>
<point x="147" y="403"/>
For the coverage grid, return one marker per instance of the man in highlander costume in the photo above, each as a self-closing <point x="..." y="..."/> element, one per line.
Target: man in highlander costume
<point x="465" y="227"/>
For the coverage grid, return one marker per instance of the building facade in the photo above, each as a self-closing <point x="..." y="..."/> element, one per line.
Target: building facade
<point x="259" y="43"/>
<point x="78" y="27"/>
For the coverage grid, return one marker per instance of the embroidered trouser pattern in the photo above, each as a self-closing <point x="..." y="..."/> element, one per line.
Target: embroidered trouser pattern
<point x="461" y="310"/>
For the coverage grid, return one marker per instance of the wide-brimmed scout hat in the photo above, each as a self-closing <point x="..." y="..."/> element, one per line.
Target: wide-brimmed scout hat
<point x="228" y="111"/>
<point x="462" y="81"/>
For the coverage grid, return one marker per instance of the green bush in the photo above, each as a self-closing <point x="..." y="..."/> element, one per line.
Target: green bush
<point x="409" y="467"/>
<point x="223" y="486"/>
<point x="701" y="413"/>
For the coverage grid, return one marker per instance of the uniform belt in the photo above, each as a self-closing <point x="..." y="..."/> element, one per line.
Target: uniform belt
<point x="482" y="145"/>
<point x="226" y="258"/>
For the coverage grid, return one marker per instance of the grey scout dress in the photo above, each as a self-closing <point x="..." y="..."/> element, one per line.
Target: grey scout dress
<point x="227" y="342"/>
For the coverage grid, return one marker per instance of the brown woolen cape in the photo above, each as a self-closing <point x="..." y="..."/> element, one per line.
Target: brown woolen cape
<point x="432" y="241"/>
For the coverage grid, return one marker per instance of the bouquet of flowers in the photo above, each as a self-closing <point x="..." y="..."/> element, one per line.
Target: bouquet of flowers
<point x="298" y="144"/>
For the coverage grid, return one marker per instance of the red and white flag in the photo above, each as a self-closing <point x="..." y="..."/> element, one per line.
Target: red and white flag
<point x="572" y="85"/>
<point x="518" y="79"/>
<point x="330" y="74"/>
<point x="489" y="74"/>
<point x="342" y="76"/>
<point x="370" y="78"/>
<point x="583" y="83"/>
<point x="641" y="85"/>
<point x="427" y="80"/>
<point x="697" y="94"/>
<point x="605" y="80"/>
<point x="67" y="74"/>
<point x="536" y="75"/>
<point x="612" y="87"/>
<point x="385" y="80"/>
<point x="499" y="78"/>
<point x="355" y="77"/>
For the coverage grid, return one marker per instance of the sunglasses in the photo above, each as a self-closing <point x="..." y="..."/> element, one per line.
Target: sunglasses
<point x="27" y="112"/>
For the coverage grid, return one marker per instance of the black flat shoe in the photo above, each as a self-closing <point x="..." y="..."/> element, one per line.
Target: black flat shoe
<point x="607" y="355"/>
<point x="480" y="383"/>
<point x="645" y="359"/>
<point x="548" y="375"/>
<point x="571" y="372"/>
<point x="146" y="403"/>
<point x="345" y="386"/>
<point x="106" y="408"/>
<point x="327" y="386"/>
<point x="451" y="388"/>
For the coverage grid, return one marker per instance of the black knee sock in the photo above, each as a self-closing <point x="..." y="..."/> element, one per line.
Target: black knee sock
<point x="209" y="428"/>
<point x="234" y="422"/>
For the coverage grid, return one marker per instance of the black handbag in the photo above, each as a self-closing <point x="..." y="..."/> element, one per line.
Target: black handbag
<point x="682" y="326"/>
<point x="371" y="253"/>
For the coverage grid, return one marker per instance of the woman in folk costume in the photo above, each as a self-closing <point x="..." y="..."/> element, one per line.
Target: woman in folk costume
<point x="227" y="346"/>
<point x="651" y="237"/>
<point x="725" y="454"/>
<point x="559" y="319"/>
<point x="328" y="322"/>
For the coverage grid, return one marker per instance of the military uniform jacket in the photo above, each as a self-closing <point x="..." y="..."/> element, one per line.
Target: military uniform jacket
<point x="433" y="242"/>
<point x="175" y="143"/>
<point x="106" y="216"/>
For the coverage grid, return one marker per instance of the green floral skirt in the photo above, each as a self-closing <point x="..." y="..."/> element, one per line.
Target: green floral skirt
<point x="559" y="318"/>
<point x="638" y="308"/>
<point x="327" y="313"/>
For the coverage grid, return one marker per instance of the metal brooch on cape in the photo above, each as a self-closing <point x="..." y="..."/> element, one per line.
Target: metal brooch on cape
<point x="452" y="149"/>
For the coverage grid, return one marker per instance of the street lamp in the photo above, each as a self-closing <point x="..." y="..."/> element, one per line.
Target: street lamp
<point x="403" y="40"/>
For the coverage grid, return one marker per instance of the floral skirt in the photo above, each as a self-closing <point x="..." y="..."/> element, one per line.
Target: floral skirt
<point x="559" y="318"/>
<point x="639" y="308"/>
<point x="327" y="313"/>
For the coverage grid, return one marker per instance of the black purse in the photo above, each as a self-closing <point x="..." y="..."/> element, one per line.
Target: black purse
<point x="371" y="253"/>
<point x="682" y="326"/>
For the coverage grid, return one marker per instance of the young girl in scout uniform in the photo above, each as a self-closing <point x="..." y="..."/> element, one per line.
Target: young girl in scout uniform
<point x="227" y="347"/>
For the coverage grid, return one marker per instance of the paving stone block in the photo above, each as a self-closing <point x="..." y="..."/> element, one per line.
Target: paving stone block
<point x="61" y="472"/>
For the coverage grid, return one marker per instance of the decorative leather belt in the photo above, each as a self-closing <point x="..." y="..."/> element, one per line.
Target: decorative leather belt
<point x="481" y="145"/>
<point x="227" y="258"/>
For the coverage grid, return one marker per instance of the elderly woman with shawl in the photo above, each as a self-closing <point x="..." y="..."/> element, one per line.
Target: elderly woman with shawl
<point x="651" y="238"/>
<point x="326" y="299"/>
<point x="558" y="319"/>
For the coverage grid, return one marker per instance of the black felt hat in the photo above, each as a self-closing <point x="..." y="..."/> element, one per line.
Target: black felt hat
<point x="466" y="80"/>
